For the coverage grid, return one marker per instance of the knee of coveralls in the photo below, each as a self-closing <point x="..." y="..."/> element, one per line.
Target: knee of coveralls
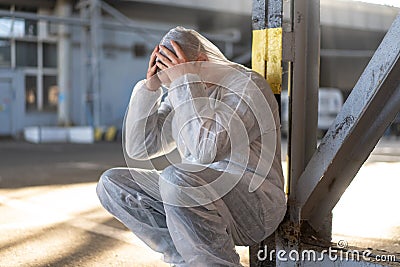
<point x="184" y="185"/>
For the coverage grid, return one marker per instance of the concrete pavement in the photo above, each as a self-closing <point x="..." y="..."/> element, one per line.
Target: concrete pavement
<point x="50" y="215"/>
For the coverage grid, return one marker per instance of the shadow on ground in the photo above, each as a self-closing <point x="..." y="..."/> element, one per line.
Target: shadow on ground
<point x="24" y="164"/>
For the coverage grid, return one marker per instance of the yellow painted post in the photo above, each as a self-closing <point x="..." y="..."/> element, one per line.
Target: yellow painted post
<point x="267" y="60"/>
<point x="259" y="51"/>
<point x="267" y="56"/>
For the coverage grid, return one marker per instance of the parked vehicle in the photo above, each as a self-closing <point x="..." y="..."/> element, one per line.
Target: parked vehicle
<point x="330" y="102"/>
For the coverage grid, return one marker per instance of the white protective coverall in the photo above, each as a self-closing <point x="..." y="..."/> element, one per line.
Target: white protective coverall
<point x="228" y="189"/>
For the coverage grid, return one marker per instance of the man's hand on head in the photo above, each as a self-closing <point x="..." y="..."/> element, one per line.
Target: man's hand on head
<point x="152" y="80"/>
<point x="172" y="64"/>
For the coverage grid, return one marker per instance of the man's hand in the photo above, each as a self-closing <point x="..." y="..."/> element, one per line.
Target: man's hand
<point x="173" y="64"/>
<point x="152" y="80"/>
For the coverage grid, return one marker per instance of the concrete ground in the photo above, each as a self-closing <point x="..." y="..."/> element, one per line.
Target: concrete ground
<point x="50" y="215"/>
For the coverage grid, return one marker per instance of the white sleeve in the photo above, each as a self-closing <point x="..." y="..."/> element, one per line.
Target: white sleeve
<point x="147" y="124"/>
<point x="205" y="124"/>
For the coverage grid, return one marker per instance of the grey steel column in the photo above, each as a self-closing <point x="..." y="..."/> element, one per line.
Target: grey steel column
<point x="64" y="9"/>
<point x="267" y="44"/>
<point x="95" y="43"/>
<point x="303" y="97"/>
<point x="85" y="65"/>
<point x="302" y="47"/>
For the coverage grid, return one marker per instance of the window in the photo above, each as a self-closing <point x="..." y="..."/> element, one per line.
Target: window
<point x="38" y="97"/>
<point x="31" y="102"/>
<point x="13" y="27"/>
<point x="5" y="53"/>
<point x="49" y="55"/>
<point x="50" y="93"/>
<point x="30" y="28"/>
<point x="26" y="54"/>
<point x="21" y="48"/>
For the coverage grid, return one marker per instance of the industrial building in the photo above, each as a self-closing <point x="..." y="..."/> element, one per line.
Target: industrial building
<point x="74" y="62"/>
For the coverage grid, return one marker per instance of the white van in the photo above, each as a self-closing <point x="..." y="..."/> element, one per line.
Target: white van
<point x="330" y="102"/>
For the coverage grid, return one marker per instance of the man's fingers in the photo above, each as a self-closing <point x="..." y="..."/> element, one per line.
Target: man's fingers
<point x="151" y="71"/>
<point x="164" y="60"/>
<point x="153" y="57"/>
<point x="178" y="50"/>
<point x="172" y="57"/>
<point x="161" y="66"/>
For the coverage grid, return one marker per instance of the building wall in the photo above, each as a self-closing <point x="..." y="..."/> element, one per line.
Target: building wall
<point x="120" y="69"/>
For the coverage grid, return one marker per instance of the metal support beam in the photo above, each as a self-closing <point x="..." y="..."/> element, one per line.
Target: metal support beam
<point x="267" y="41"/>
<point x="125" y="21"/>
<point x="302" y="48"/>
<point x="267" y="60"/>
<point x="50" y="18"/>
<point x="370" y="108"/>
<point x="64" y="10"/>
<point x="85" y="117"/>
<point x="95" y="43"/>
<point x="143" y="29"/>
<point x="303" y="96"/>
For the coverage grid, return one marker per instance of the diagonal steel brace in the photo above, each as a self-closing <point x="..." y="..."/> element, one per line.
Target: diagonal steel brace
<point x="370" y="108"/>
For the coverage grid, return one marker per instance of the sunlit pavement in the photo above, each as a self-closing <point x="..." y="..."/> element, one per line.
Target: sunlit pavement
<point x="65" y="226"/>
<point x="368" y="214"/>
<point x="60" y="222"/>
<point x="370" y="209"/>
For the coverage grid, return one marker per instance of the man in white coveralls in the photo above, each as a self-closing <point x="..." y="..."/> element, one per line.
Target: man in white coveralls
<point x="224" y="121"/>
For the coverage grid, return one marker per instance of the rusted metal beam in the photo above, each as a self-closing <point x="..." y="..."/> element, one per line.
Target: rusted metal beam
<point x="267" y="60"/>
<point x="302" y="48"/>
<point x="370" y="108"/>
